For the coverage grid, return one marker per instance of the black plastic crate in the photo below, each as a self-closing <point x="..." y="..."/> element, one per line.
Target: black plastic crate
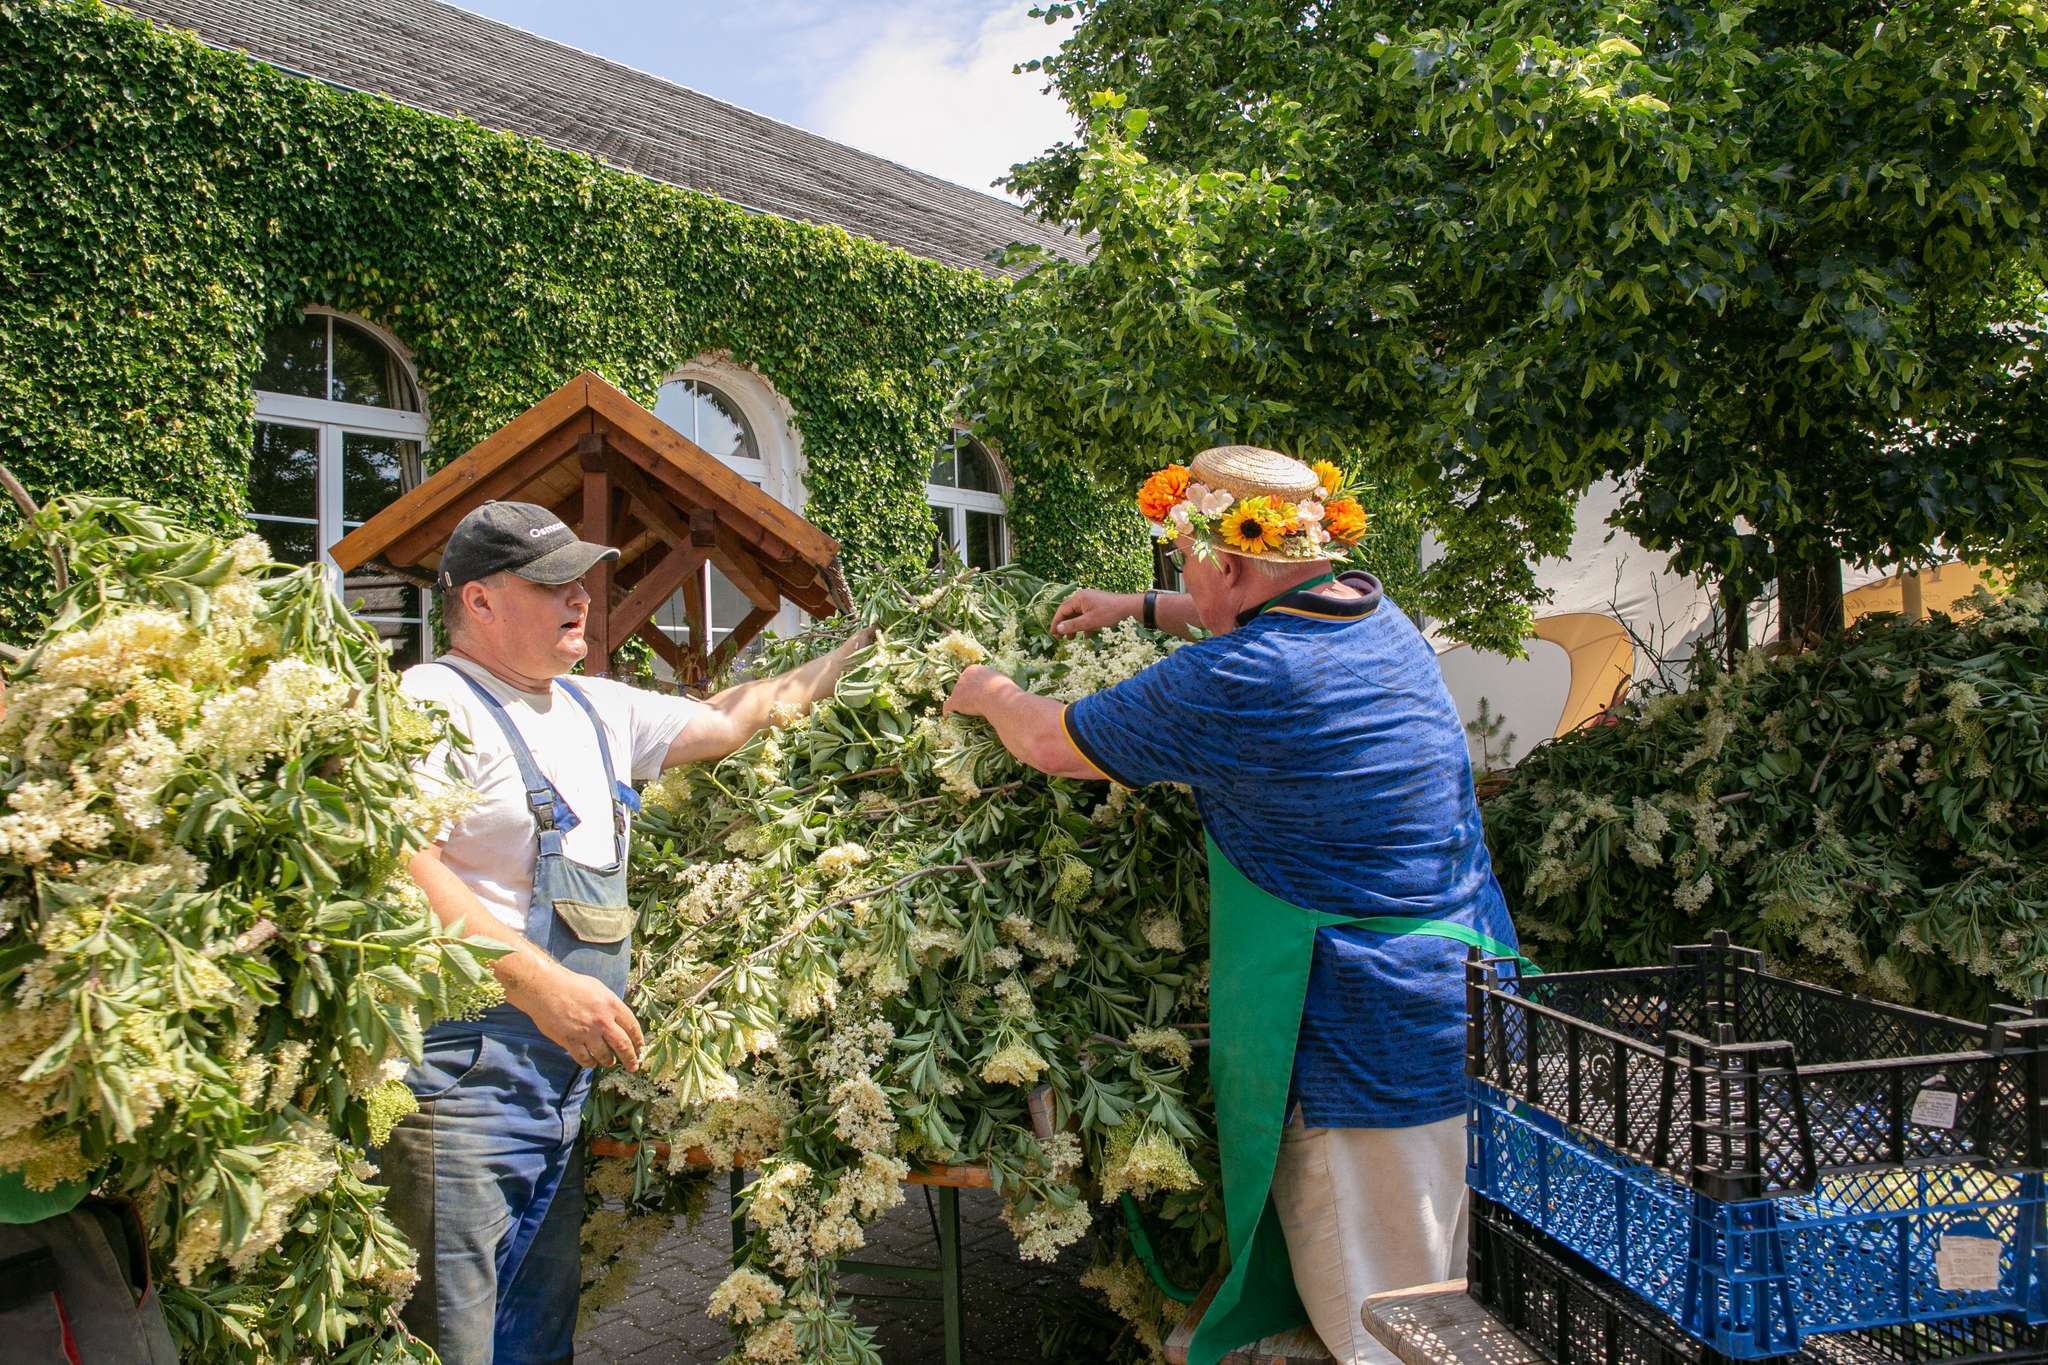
<point x="1572" y="1314"/>
<point x="1746" y="1085"/>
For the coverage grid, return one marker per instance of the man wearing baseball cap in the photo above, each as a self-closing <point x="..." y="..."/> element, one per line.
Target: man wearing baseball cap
<point x="486" y="1178"/>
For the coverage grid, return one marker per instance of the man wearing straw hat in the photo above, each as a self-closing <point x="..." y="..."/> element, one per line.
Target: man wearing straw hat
<point x="1348" y="877"/>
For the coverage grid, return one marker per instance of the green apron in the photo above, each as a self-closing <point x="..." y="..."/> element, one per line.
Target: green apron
<point x="1260" y="949"/>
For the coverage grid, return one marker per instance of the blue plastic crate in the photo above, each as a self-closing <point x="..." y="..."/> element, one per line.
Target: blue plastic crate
<point x="1751" y="1279"/>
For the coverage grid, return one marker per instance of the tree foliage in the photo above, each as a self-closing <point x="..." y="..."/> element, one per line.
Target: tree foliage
<point x="1868" y="813"/>
<point x="1774" y="266"/>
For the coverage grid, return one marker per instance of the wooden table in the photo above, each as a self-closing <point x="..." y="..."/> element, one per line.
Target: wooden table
<point x="1440" y="1324"/>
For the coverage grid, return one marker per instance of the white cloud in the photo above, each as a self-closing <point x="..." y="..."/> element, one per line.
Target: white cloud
<point x="946" y="103"/>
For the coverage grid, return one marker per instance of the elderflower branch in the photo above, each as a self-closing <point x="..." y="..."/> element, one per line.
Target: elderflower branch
<point x="883" y="812"/>
<point x="798" y="930"/>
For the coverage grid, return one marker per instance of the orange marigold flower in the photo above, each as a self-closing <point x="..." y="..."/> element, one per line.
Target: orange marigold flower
<point x="1331" y="478"/>
<point x="1162" y="491"/>
<point x="1344" y="519"/>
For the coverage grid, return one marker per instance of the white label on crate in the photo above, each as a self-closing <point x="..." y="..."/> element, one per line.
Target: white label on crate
<point x="1934" y="1109"/>
<point x="1963" y="1264"/>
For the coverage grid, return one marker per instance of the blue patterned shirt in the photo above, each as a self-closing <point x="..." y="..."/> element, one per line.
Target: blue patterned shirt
<point x="1329" y="765"/>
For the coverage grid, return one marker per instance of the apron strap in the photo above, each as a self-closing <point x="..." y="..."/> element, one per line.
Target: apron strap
<point x="1397" y="926"/>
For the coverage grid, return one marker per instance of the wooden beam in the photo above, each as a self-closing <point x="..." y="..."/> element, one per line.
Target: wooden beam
<point x="597" y="520"/>
<point x="794" y="579"/>
<point x="696" y="493"/>
<point x="655" y="587"/>
<point x="755" y="622"/>
<point x="679" y="452"/>
<point x="455" y="480"/>
<point x="656" y="510"/>
<point x="697" y="610"/>
<point x="745" y="574"/>
<point x="671" y="653"/>
<point x="415" y="542"/>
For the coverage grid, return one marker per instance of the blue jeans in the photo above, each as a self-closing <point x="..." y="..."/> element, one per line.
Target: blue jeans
<point x="486" y="1181"/>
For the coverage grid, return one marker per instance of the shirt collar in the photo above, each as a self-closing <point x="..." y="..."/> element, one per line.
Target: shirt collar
<point x="1320" y="608"/>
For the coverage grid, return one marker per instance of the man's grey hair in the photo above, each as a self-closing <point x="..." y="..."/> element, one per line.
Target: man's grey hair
<point x="1276" y="568"/>
<point x="455" y="617"/>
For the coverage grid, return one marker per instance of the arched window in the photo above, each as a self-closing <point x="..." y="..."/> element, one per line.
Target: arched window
<point x="339" y="430"/>
<point x="966" y="496"/>
<point x="734" y="416"/>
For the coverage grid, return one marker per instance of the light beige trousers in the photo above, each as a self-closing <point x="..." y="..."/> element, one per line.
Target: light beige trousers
<point x="1367" y="1209"/>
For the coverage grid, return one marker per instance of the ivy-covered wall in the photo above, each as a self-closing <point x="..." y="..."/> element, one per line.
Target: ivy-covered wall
<point x="163" y="205"/>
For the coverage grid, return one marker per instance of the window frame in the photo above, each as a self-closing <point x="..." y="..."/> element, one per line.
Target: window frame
<point x="959" y="501"/>
<point x="776" y="469"/>
<point x="334" y="422"/>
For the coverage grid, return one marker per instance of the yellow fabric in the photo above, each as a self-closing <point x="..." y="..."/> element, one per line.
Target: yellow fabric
<point x="1942" y="589"/>
<point x="1602" y="660"/>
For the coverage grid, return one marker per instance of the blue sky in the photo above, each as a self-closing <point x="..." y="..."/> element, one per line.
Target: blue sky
<point x="924" y="82"/>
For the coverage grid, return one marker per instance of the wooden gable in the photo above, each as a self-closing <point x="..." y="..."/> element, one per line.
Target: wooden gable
<point x="623" y="477"/>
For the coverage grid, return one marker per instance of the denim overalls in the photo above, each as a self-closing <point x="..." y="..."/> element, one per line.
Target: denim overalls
<point x="487" y="1178"/>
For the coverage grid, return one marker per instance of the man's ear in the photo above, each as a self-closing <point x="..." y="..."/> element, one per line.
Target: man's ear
<point x="476" y="599"/>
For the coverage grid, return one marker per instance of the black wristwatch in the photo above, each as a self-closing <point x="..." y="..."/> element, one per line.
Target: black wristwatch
<point x="1151" y="608"/>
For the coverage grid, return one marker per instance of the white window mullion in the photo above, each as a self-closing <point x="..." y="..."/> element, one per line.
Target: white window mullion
<point x="330" y="496"/>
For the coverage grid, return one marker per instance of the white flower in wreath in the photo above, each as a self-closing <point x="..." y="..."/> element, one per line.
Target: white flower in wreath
<point x="1214" y="502"/>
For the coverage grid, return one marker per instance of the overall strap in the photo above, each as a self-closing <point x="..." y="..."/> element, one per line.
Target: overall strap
<point x="622" y="794"/>
<point x="550" y="812"/>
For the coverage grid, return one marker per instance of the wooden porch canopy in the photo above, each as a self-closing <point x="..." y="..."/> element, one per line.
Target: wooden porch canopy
<point x="609" y="467"/>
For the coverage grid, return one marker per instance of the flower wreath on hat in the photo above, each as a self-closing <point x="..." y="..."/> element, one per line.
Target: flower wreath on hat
<point x="1324" y="525"/>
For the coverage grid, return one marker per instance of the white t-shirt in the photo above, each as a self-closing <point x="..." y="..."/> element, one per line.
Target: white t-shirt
<point x="492" y="848"/>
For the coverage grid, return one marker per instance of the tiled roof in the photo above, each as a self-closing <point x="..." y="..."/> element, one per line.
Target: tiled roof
<point x="447" y="60"/>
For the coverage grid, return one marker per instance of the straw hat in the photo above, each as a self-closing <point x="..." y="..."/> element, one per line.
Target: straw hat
<point x="1256" y="503"/>
<point x="1254" y="472"/>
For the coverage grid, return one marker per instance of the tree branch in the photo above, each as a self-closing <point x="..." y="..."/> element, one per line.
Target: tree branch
<point x="30" y="511"/>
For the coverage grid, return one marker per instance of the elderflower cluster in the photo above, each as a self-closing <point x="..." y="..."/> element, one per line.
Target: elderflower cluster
<point x="1015" y="1063"/>
<point x="840" y="859"/>
<point x="292" y="703"/>
<point x="960" y="650"/>
<point x="43" y="816"/>
<point x="1048" y="1229"/>
<point x="1144" y="1159"/>
<point x="745" y="1296"/>
<point x="1168" y="1044"/>
<point x="1122" y="651"/>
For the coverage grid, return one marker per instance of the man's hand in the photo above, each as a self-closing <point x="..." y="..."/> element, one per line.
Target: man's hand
<point x="1031" y="727"/>
<point x="582" y="1015"/>
<point x="1091" y="609"/>
<point x="975" y="690"/>
<point x="739" y="713"/>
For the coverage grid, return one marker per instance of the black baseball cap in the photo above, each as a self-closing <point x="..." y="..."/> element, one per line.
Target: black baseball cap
<point x="521" y="538"/>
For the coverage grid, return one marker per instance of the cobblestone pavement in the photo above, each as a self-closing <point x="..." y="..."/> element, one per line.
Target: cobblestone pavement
<point x="663" y="1320"/>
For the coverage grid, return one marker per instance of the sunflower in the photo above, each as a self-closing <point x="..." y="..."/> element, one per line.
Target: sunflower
<point x="1254" y="526"/>
<point x="1344" y="519"/>
<point x="1331" y="478"/>
<point x="1162" y="491"/>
